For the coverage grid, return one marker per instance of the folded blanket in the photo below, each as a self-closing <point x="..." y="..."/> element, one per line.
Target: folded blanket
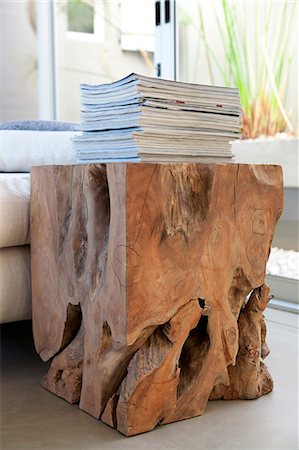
<point x="15" y="284"/>
<point x="40" y="125"/>
<point x="14" y="209"/>
<point x="28" y="143"/>
<point x="22" y="149"/>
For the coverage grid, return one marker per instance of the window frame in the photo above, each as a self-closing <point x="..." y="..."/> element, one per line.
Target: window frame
<point x="99" y="27"/>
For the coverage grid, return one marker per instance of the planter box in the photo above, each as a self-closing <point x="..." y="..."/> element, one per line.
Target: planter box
<point x="284" y="152"/>
<point x="271" y="151"/>
<point x="284" y="288"/>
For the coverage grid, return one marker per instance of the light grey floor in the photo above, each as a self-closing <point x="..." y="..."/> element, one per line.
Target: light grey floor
<point x="32" y="418"/>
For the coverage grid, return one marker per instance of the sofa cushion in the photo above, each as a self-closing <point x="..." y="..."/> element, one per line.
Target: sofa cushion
<point x="15" y="284"/>
<point x="14" y="209"/>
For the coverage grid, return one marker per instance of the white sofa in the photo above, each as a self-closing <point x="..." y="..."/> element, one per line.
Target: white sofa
<point x="20" y="149"/>
<point x="15" y="288"/>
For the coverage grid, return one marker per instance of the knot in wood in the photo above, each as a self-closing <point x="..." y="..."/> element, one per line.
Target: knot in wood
<point x="186" y="196"/>
<point x="231" y="335"/>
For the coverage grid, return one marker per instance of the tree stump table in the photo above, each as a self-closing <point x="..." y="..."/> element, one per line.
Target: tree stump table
<point x="148" y="285"/>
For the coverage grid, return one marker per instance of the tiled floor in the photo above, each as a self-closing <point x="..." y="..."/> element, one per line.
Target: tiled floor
<point x="32" y="418"/>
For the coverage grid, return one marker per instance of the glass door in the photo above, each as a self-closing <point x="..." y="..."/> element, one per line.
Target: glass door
<point x="254" y="45"/>
<point x="249" y="44"/>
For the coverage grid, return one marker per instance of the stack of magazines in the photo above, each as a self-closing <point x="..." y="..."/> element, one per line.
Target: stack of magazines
<point x="140" y="118"/>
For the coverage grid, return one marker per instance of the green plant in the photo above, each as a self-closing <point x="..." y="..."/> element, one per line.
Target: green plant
<point x="260" y="75"/>
<point x="80" y="16"/>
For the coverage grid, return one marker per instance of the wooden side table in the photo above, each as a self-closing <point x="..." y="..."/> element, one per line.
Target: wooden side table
<point x="140" y="275"/>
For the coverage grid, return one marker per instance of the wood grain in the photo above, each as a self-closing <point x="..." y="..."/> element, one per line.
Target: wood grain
<point x="141" y="274"/>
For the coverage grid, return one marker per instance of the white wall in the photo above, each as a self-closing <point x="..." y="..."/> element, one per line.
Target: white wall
<point x="18" y="87"/>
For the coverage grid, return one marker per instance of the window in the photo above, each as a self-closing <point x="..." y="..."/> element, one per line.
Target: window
<point x="80" y="16"/>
